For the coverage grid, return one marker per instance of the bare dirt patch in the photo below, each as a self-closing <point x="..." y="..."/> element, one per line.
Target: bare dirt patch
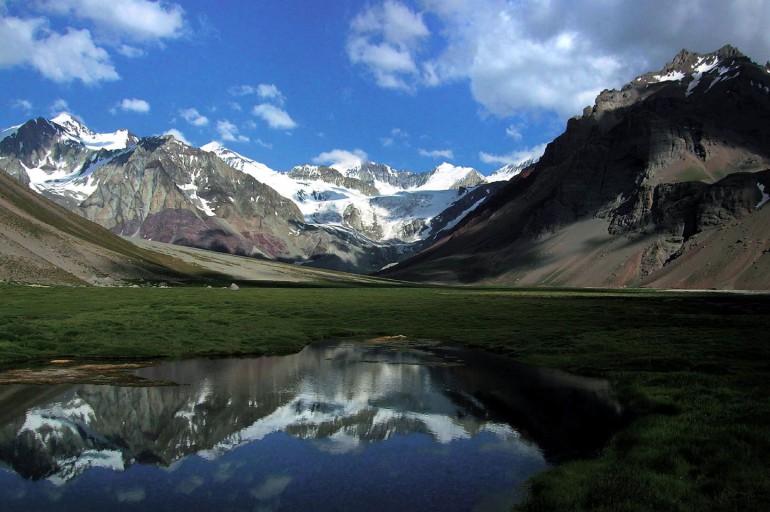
<point x="69" y="372"/>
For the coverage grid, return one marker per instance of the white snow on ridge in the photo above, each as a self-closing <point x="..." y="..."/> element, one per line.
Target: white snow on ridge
<point x="444" y="177"/>
<point x="700" y="68"/>
<point x="672" y="76"/>
<point x="9" y="131"/>
<point x="111" y="141"/>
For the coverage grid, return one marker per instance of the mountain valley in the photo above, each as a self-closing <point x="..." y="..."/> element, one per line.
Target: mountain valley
<point x="661" y="183"/>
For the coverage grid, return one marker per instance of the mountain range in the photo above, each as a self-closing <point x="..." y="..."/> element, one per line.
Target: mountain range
<point x="661" y="183"/>
<point x="158" y="188"/>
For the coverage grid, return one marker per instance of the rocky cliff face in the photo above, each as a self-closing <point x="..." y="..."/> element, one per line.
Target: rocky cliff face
<point x="617" y="199"/>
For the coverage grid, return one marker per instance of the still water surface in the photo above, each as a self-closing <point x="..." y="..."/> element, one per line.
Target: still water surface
<point x="338" y="426"/>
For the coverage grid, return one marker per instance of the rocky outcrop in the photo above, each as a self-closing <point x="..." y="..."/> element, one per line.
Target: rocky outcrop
<point x="332" y="176"/>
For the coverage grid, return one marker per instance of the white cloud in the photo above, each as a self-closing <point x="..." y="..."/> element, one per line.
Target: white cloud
<point x="446" y="154"/>
<point x="557" y="55"/>
<point x="178" y="136"/>
<point x="242" y="90"/>
<point x="270" y="92"/>
<point x="139" y="20"/>
<point x="61" y="105"/>
<point x="396" y="135"/>
<point x="59" y="57"/>
<point x="275" y="117"/>
<point x="386" y="39"/>
<point x="514" y="157"/>
<point x="134" y="105"/>
<point x="229" y="132"/>
<point x="513" y="132"/>
<point x="193" y="117"/>
<point x="341" y="159"/>
<point x="130" y="51"/>
<point x="25" y="105"/>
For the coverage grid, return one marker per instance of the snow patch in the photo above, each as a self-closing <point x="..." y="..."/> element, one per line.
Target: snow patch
<point x="765" y="196"/>
<point x="701" y="67"/>
<point x="91" y="140"/>
<point x="445" y="176"/>
<point x="672" y="76"/>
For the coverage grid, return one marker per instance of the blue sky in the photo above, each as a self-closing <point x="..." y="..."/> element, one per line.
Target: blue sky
<point x="407" y="83"/>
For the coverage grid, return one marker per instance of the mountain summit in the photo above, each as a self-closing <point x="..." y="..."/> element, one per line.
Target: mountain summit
<point x="661" y="183"/>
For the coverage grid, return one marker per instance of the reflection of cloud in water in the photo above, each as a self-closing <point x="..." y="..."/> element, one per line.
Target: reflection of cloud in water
<point x="271" y="488"/>
<point x="188" y="485"/>
<point x="133" y="495"/>
<point x="338" y="443"/>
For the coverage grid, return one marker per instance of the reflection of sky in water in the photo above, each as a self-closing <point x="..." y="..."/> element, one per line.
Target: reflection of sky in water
<point x="404" y="473"/>
<point x="336" y="427"/>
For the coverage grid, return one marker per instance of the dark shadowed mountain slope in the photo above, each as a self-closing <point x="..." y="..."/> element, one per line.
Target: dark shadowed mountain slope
<point x="661" y="183"/>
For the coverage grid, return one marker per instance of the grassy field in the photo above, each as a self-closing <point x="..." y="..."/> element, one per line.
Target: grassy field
<point x="693" y="368"/>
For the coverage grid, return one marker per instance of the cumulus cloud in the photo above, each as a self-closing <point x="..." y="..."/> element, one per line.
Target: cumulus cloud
<point x="178" y="136"/>
<point x="192" y="116"/>
<point x="386" y="40"/>
<point x="80" y="51"/>
<point x="61" y="57"/>
<point x="446" y="154"/>
<point x="514" y="157"/>
<point x="341" y="159"/>
<point x="555" y="55"/>
<point x="139" y="20"/>
<point x="275" y="117"/>
<point x="134" y="105"/>
<point x="229" y="132"/>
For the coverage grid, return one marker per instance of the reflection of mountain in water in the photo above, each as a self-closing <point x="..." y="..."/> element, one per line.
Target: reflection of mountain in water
<point x="338" y="395"/>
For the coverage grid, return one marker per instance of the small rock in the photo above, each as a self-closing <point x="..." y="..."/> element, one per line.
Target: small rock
<point x="234" y="287"/>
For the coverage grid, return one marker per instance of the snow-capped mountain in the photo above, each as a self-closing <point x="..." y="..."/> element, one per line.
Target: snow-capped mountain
<point x="158" y="188"/>
<point x="327" y="196"/>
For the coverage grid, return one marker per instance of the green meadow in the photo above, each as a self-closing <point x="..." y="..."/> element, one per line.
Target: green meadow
<point x="691" y="368"/>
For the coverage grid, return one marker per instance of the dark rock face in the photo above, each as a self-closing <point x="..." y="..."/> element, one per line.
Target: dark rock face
<point x="368" y="172"/>
<point x="666" y="157"/>
<point x="332" y="176"/>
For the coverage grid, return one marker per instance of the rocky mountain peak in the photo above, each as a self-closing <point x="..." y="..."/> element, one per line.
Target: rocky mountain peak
<point x="72" y="125"/>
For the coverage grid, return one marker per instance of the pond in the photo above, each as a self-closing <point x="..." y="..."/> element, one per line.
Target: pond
<point x="338" y="426"/>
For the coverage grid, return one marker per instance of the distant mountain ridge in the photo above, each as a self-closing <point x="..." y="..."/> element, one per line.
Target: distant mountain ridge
<point x="158" y="188"/>
<point x="661" y="183"/>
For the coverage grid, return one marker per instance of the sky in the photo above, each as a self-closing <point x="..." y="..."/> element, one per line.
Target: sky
<point x="409" y="83"/>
